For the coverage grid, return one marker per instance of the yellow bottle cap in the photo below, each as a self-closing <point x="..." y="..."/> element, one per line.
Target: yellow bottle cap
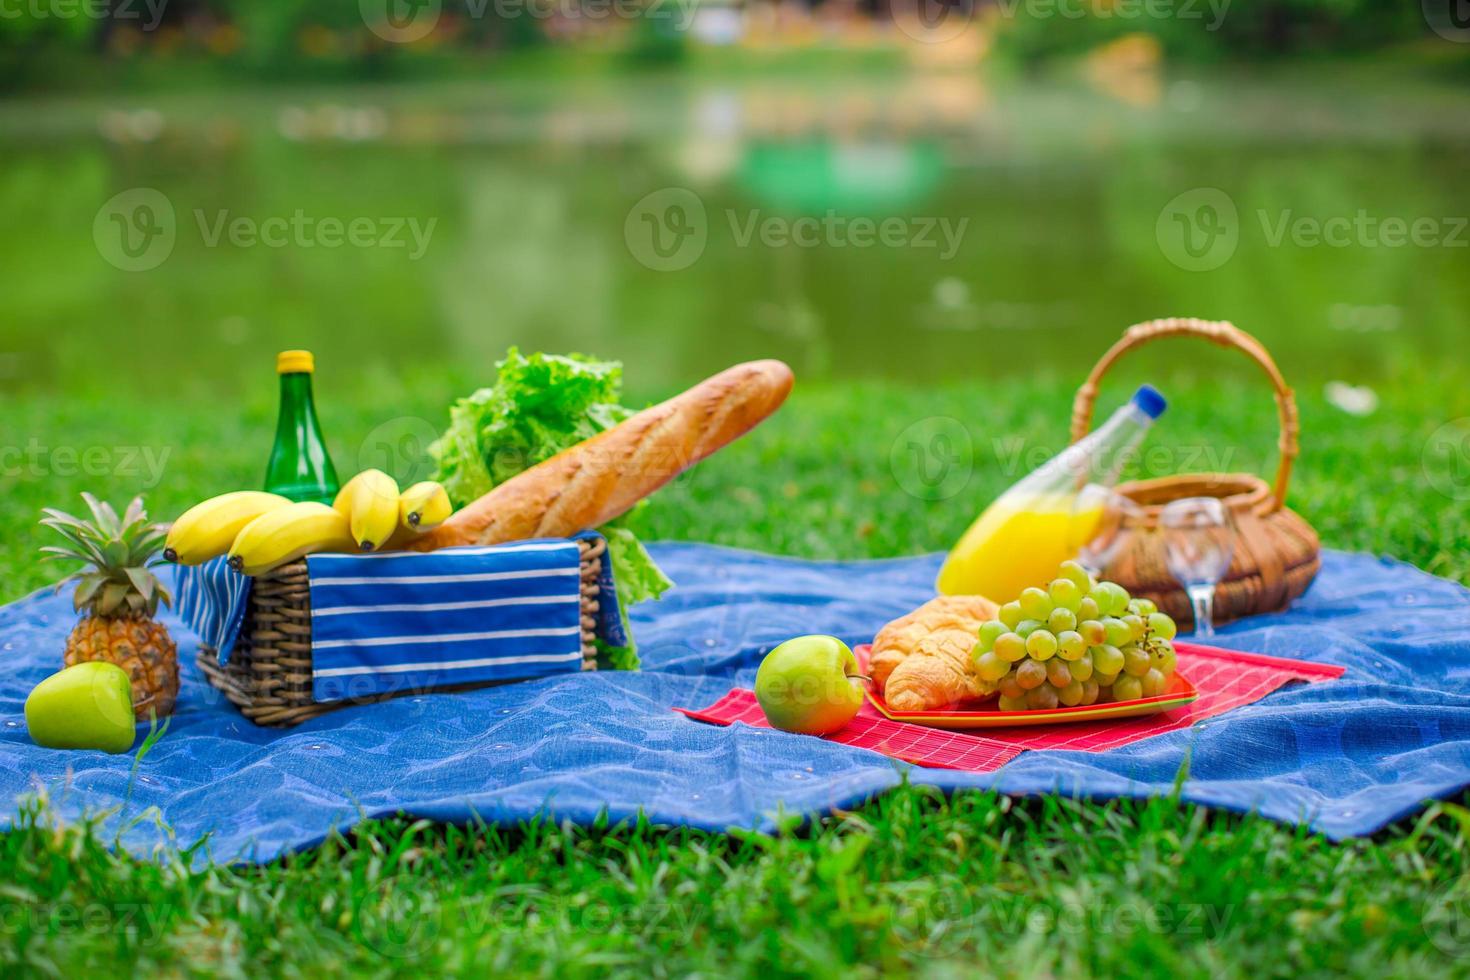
<point x="295" y="362"/>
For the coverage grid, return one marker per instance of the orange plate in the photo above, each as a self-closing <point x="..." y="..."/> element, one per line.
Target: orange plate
<point x="1179" y="693"/>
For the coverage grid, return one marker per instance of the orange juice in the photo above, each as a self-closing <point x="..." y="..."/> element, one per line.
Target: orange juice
<point x="1018" y="542"/>
<point x="1038" y="523"/>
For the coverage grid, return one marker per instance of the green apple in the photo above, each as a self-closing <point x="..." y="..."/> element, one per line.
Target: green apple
<point x="89" y="706"/>
<point x="810" y="685"/>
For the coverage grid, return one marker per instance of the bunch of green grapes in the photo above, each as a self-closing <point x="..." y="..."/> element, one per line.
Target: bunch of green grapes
<point x="1078" y="641"/>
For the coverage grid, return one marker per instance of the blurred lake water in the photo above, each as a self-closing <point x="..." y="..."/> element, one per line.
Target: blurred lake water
<point x="923" y="226"/>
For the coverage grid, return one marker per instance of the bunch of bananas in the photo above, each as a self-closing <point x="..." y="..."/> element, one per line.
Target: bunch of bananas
<point x="262" y="531"/>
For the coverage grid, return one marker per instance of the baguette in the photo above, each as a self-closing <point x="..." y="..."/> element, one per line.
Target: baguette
<point x="601" y="478"/>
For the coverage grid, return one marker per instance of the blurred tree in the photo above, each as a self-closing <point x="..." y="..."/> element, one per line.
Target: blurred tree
<point x="1204" y="30"/>
<point x="659" y="37"/>
<point x="41" y="39"/>
<point x="46" y="40"/>
<point x="28" y="35"/>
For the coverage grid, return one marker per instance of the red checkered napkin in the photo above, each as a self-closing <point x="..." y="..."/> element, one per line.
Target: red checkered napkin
<point x="869" y="730"/>
<point x="1225" y="679"/>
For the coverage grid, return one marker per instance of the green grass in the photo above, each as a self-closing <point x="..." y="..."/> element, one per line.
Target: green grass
<point x="911" y="882"/>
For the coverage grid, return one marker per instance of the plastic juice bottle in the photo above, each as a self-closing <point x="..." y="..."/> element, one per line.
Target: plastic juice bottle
<point x="1037" y="524"/>
<point x="300" y="467"/>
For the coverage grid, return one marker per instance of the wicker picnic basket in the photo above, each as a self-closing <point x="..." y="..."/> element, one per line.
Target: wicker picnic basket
<point x="268" y="676"/>
<point x="1277" y="554"/>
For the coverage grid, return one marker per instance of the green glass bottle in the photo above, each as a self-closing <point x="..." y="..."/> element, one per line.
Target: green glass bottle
<point x="300" y="467"/>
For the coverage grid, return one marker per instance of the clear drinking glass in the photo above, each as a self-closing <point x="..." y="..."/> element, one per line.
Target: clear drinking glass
<point x="1102" y="520"/>
<point x="1199" y="541"/>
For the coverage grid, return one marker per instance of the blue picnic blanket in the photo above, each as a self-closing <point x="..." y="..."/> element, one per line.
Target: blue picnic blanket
<point x="1346" y="757"/>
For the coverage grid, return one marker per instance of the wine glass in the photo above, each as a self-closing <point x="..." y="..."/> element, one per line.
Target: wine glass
<point x="1199" y="541"/>
<point x="1102" y="520"/>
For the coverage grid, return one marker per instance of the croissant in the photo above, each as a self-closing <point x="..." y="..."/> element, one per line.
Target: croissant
<point x="921" y="661"/>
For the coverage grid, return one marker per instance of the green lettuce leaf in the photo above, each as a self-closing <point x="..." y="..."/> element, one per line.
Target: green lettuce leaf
<point x="539" y="405"/>
<point x="456" y="454"/>
<point x="638" y="578"/>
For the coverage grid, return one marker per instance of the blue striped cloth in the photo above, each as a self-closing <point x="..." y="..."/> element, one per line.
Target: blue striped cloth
<point x="211" y="600"/>
<point x="405" y="621"/>
<point x="395" y="622"/>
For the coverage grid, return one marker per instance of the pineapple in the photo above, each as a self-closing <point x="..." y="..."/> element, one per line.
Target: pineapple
<point x="118" y="595"/>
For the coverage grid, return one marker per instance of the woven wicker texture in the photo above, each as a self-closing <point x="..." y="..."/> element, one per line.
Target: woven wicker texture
<point x="1277" y="553"/>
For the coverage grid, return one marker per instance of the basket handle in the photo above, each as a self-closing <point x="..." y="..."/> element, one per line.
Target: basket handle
<point x="1219" y="332"/>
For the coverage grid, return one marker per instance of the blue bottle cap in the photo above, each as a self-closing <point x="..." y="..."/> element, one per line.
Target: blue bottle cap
<point x="1150" y="401"/>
